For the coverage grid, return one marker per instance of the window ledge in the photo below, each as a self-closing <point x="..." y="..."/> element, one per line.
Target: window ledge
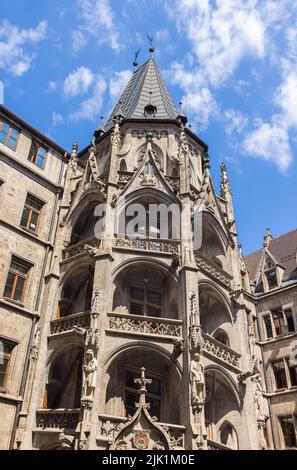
<point x="280" y="392"/>
<point x="17" y="306"/>
<point x="278" y="338"/>
<point x="12" y="398"/>
<point x="26" y="232"/>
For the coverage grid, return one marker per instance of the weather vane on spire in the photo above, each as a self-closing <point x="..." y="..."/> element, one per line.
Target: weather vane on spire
<point x="151" y="49"/>
<point x="135" y="63"/>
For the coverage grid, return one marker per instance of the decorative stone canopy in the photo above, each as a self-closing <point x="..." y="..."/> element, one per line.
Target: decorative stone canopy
<point x="142" y="432"/>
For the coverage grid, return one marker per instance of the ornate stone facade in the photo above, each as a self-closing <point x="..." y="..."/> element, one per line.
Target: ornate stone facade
<point x="119" y="341"/>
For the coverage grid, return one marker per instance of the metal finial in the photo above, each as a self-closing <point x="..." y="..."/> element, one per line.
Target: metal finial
<point x="267" y="238"/>
<point x="151" y="49"/>
<point x="142" y="382"/>
<point x="135" y="63"/>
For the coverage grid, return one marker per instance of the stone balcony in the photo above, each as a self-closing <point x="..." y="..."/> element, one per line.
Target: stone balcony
<point x="212" y="270"/>
<point x="65" y="324"/>
<point x="110" y="426"/>
<point x="143" y="325"/>
<point x="149" y="244"/>
<point x="57" y="420"/>
<point x="220" y="351"/>
<point x="80" y="248"/>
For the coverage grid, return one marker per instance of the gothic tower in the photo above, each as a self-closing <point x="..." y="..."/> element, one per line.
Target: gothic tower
<point x="144" y="308"/>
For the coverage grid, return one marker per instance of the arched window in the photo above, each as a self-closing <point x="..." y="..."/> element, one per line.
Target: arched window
<point x="222" y="337"/>
<point x="65" y="380"/>
<point x="146" y="291"/>
<point x="123" y="166"/>
<point x="84" y="226"/>
<point x="174" y="173"/>
<point x="148" y="170"/>
<point x="76" y="293"/>
<point x="228" y="436"/>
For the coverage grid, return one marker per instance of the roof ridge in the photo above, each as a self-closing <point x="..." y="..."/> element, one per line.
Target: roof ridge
<point x="259" y="250"/>
<point x="283" y="235"/>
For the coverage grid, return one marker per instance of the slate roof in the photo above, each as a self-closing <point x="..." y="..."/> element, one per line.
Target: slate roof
<point x="284" y="250"/>
<point x="145" y="87"/>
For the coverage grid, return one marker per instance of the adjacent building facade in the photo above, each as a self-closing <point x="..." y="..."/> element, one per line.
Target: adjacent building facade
<point x="273" y="275"/>
<point x="126" y="313"/>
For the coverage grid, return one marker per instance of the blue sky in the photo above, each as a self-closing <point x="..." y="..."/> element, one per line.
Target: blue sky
<point x="233" y="63"/>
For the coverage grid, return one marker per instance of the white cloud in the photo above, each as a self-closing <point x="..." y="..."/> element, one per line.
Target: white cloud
<point x="198" y="101"/>
<point x="118" y="83"/>
<point x="286" y="98"/>
<point x="221" y="33"/>
<point x="78" y="82"/>
<point x="52" y="85"/>
<point x="270" y="141"/>
<point x="236" y="121"/>
<point x="13" y="40"/>
<point x="1" y="92"/>
<point x="57" y="119"/>
<point x="162" y="35"/>
<point x="91" y="107"/>
<point x="96" y="20"/>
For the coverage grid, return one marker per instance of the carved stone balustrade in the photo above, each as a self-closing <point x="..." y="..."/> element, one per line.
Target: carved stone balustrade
<point x="137" y="324"/>
<point x="57" y="419"/>
<point x="63" y="324"/>
<point x="110" y="426"/>
<point x="81" y="247"/>
<point x="212" y="445"/>
<point x="176" y="435"/>
<point x="163" y="246"/>
<point x="214" y="271"/>
<point x="221" y="351"/>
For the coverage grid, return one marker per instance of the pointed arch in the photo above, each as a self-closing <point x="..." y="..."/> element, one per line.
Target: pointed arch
<point x="228" y="435"/>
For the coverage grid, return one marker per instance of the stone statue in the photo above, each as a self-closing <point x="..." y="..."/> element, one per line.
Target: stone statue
<point x="258" y="396"/>
<point x="197" y="382"/>
<point x="90" y="373"/>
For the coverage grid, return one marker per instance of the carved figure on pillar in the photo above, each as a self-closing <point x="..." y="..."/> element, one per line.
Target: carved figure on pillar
<point x="197" y="383"/>
<point x="116" y="134"/>
<point x="89" y="374"/>
<point x="261" y="418"/>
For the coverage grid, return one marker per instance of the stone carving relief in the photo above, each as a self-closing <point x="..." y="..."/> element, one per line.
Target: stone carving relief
<point x="89" y="374"/>
<point x="195" y="333"/>
<point x="197" y="383"/>
<point x="141" y="133"/>
<point x="261" y="417"/>
<point x="35" y="345"/>
<point x="65" y="441"/>
<point x="141" y="432"/>
<point x="116" y="138"/>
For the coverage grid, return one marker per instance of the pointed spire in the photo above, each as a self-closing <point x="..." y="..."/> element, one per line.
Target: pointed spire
<point x="136" y="96"/>
<point x="181" y="117"/>
<point x="267" y="238"/>
<point x="142" y="382"/>
<point x="225" y="185"/>
<point x="100" y="129"/>
<point x="206" y="163"/>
